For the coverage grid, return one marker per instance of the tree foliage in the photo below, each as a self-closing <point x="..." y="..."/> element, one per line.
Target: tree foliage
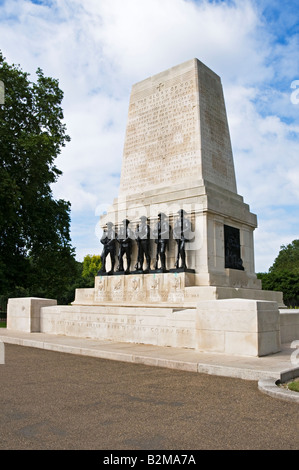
<point x="285" y="282"/>
<point x="36" y="255"/>
<point x="91" y="266"/>
<point x="283" y="275"/>
<point x="287" y="259"/>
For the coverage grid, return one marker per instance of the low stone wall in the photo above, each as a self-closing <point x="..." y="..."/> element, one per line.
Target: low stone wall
<point x="230" y="326"/>
<point x="289" y="325"/>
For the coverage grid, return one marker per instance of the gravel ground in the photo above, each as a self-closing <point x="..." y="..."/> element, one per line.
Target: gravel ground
<point x="59" y="401"/>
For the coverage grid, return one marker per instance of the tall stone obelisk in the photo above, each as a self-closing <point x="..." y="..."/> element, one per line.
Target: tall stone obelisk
<point x="177" y="132"/>
<point x="178" y="155"/>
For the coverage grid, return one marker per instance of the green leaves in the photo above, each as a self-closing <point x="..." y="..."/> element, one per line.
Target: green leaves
<point x="35" y="248"/>
<point x="287" y="259"/>
<point x="283" y="275"/>
<point x="91" y="265"/>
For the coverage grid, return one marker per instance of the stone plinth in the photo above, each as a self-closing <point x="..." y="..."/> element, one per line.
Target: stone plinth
<point x="241" y="327"/>
<point x="23" y="314"/>
<point x="166" y="289"/>
<point x="144" y="288"/>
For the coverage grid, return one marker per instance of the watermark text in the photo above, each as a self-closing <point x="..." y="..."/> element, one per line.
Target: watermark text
<point x="295" y="94"/>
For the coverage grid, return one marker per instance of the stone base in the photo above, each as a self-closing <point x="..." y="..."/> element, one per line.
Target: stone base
<point x="23" y="314"/>
<point x="238" y="326"/>
<point x="154" y="288"/>
<point x="233" y="326"/>
<point x="172" y="289"/>
<point x="158" y="326"/>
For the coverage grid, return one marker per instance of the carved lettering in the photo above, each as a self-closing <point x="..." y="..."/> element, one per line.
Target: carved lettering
<point x="162" y="138"/>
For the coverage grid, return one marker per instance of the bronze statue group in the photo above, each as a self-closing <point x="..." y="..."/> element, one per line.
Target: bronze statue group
<point x="125" y="237"/>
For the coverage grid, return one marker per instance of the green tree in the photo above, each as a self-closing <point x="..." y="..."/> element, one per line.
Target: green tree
<point x="285" y="282"/>
<point x="90" y="268"/>
<point x="36" y="255"/>
<point x="287" y="259"/>
<point x="283" y="275"/>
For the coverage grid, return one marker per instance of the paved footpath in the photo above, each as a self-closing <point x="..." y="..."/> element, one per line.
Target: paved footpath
<point x="53" y="400"/>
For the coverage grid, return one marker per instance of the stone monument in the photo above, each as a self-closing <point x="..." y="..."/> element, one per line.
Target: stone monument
<point x="178" y="157"/>
<point x="180" y="233"/>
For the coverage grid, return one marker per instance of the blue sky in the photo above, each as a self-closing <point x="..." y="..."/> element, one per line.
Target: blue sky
<point x="99" y="48"/>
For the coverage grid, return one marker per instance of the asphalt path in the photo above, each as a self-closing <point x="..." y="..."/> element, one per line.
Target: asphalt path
<point x="59" y="401"/>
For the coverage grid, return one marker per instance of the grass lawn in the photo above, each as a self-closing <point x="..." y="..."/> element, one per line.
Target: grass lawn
<point x="294" y="386"/>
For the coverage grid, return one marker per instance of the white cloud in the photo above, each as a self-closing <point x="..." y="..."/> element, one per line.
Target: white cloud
<point x="144" y="37"/>
<point x="98" y="49"/>
<point x="265" y="152"/>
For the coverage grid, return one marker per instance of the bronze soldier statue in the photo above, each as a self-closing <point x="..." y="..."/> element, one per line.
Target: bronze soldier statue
<point x="142" y="236"/>
<point x="109" y="248"/>
<point x="124" y="239"/>
<point x="161" y="235"/>
<point x="181" y="234"/>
